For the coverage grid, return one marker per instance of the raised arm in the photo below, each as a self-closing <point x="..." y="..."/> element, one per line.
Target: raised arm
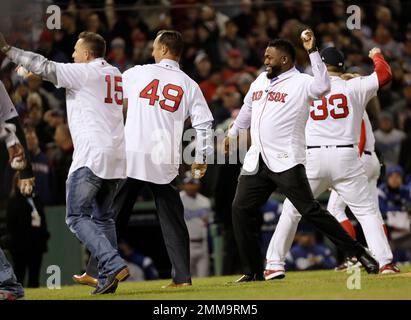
<point x="321" y="84"/>
<point x="381" y="67"/>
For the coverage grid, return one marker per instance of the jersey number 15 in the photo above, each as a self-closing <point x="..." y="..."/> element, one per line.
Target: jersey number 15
<point x="118" y="90"/>
<point x="339" y="101"/>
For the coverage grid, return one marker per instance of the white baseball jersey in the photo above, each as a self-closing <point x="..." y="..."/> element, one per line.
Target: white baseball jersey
<point x="7" y="109"/>
<point x="336" y="118"/>
<point x="279" y="112"/>
<point x="369" y="134"/>
<point x="95" y="117"/>
<point x="160" y="98"/>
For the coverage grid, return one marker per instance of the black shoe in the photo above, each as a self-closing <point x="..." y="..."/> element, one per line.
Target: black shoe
<point x="369" y="263"/>
<point x="248" y="278"/>
<point x="112" y="281"/>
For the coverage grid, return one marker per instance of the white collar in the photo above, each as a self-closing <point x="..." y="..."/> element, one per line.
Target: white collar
<point x="287" y="73"/>
<point x="169" y="62"/>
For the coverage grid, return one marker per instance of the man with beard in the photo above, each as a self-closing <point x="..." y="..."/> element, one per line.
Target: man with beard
<point x="275" y="109"/>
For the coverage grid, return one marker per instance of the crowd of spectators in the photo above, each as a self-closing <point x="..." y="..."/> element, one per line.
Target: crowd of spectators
<point x="224" y="46"/>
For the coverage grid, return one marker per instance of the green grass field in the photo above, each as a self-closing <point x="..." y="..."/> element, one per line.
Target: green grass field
<point x="296" y="285"/>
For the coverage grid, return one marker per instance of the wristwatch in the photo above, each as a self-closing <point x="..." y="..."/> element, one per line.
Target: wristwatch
<point x="5" y="48"/>
<point x="312" y="50"/>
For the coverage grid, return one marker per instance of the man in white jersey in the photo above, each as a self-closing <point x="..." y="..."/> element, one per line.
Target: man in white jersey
<point x="159" y="98"/>
<point x="372" y="166"/>
<point x="12" y="133"/>
<point x="94" y="111"/>
<point x="332" y="134"/>
<point x="276" y="109"/>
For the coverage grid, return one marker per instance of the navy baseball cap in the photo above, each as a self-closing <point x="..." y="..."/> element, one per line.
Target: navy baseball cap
<point x="395" y="169"/>
<point x="333" y="57"/>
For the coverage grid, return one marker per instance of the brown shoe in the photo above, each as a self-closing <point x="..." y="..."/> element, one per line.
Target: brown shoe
<point x="85" y="279"/>
<point x="112" y="281"/>
<point x="172" y="284"/>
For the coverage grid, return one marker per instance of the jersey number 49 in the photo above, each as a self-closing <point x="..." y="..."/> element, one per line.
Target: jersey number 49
<point x="171" y="93"/>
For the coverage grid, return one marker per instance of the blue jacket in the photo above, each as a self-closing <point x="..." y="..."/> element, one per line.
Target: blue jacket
<point x="299" y="258"/>
<point x="394" y="200"/>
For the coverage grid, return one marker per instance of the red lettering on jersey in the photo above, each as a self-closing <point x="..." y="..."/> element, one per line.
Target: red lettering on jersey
<point x="277" y="96"/>
<point x="118" y="90"/>
<point x="150" y="92"/>
<point x="257" y="95"/>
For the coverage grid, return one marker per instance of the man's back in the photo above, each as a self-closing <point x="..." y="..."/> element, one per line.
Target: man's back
<point x="160" y="98"/>
<point x="94" y="112"/>
<point x="336" y="118"/>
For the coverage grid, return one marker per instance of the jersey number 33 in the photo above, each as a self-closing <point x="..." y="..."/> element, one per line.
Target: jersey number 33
<point x="321" y="111"/>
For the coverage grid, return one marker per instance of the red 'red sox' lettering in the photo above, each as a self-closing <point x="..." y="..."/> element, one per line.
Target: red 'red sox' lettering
<point x="277" y="96"/>
<point x="272" y="96"/>
<point x="257" y="95"/>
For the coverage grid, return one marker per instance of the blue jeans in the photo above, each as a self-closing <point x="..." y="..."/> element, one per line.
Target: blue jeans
<point x="8" y="281"/>
<point x="88" y="200"/>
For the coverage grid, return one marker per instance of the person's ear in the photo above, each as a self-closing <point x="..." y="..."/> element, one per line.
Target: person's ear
<point x="284" y="59"/>
<point x="164" y="50"/>
<point x="87" y="54"/>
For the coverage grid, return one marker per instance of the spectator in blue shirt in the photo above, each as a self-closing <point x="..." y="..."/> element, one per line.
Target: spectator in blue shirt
<point x="395" y="205"/>
<point x="307" y="254"/>
<point x="40" y="166"/>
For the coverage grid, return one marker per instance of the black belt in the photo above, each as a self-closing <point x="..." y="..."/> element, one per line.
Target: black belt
<point x="367" y="152"/>
<point x="340" y="146"/>
<point x="197" y="240"/>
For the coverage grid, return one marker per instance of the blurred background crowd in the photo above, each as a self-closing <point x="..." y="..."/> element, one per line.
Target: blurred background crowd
<point x="224" y="45"/>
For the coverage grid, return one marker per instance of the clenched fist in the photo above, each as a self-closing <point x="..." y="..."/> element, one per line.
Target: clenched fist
<point x="374" y="51"/>
<point x="308" y="39"/>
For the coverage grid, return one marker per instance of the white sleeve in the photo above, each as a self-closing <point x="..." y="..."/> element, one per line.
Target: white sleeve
<point x="7" y="109"/>
<point x="243" y="120"/>
<point x="34" y="62"/>
<point x="363" y="89"/>
<point x="71" y="75"/>
<point x="201" y="120"/>
<point x="321" y="84"/>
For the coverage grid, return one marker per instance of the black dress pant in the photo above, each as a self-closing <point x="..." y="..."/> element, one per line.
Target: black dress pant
<point x="254" y="190"/>
<point x="170" y="211"/>
<point x="28" y="261"/>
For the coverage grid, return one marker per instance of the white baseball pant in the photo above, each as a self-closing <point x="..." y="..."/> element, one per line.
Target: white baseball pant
<point x="342" y="170"/>
<point x="336" y="205"/>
